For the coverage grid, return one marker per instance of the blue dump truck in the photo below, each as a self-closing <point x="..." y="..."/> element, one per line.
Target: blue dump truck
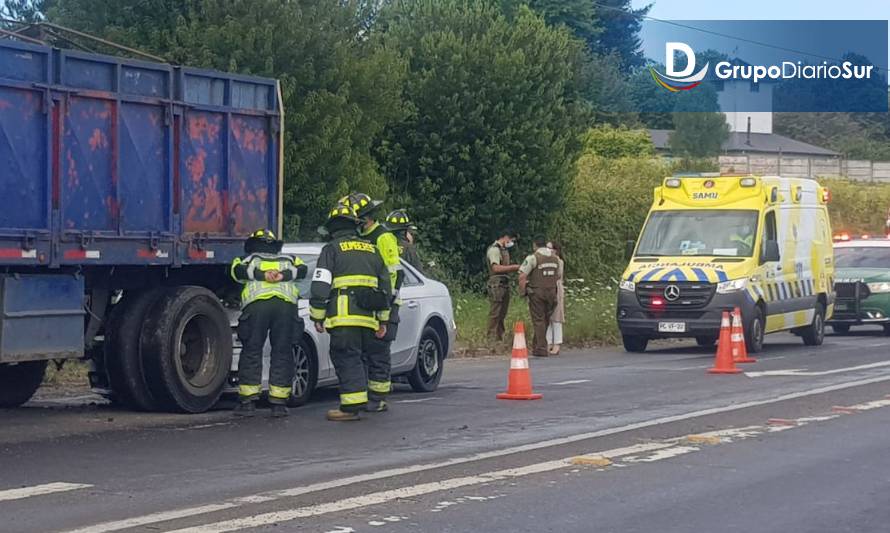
<point x="126" y="189"/>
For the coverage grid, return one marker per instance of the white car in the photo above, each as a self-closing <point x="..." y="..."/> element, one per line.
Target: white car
<point x="425" y="337"/>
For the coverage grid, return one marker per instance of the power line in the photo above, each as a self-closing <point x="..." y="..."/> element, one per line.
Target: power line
<point x="719" y="34"/>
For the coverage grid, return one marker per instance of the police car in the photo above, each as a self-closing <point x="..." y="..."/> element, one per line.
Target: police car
<point x="425" y="338"/>
<point x="862" y="283"/>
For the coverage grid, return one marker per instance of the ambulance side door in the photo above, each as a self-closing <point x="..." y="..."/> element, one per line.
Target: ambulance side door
<point x="771" y="267"/>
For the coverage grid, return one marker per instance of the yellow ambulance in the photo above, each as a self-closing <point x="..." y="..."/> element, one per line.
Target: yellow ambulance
<point x="712" y="243"/>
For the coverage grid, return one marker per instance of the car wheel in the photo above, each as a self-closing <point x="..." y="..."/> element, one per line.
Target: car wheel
<point x="428" y="369"/>
<point x="305" y="373"/>
<point x="841" y="329"/>
<point x="814" y="334"/>
<point x="754" y="332"/>
<point x="187" y="349"/>
<point x="706" y="341"/>
<point x="19" y="381"/>
<point x="635" y="343"/>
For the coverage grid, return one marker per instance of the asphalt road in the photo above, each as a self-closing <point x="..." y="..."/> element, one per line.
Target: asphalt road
<point x="620" y="442"/>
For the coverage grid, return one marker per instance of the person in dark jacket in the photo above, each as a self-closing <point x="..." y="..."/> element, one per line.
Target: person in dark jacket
<point x="403" y="228"/>
<point x="350" y="299"/>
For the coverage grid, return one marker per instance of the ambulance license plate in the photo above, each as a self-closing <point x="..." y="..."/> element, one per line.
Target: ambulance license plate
<point x="672" y="327"/>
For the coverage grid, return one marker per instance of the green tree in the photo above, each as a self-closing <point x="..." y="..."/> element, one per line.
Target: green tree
<point x="699" y="128"/>
<point x="609" y="142"/>
<point x="340" y="85"/>
<point x="620" y="35"/>
<point x="495" y="121"/>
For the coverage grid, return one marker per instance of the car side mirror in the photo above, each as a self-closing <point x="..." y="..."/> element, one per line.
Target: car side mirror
<point x="629" y="249"/>
<point x="770" y="252"/>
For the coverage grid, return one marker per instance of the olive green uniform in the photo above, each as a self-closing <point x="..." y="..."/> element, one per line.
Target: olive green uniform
<point x="542" y="271"/>
<point x="498" y="290"/>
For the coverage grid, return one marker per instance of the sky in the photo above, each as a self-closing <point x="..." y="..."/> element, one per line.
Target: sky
<point x="768" y="9"/>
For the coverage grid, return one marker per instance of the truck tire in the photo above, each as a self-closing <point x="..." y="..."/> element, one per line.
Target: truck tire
<point x="123" y="351"/>
<point x="814" y="334"/>
<point x="754" y="332"/>
<point x="19" y="381"/>
<point x="187" y="349"/>
<point x="635" y="343"/>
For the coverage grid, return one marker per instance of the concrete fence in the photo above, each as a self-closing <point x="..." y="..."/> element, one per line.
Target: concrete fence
<point x="878" y="171"/>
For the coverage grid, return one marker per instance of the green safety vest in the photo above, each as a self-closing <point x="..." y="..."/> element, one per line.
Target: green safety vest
<point x="263" y="290"/>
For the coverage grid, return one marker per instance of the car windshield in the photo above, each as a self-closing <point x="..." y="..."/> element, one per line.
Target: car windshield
<point x="862" y="257"/>
<point x="728" y="233"/>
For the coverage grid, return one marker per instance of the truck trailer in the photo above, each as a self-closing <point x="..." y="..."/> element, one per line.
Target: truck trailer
<point x="127" y="187"/>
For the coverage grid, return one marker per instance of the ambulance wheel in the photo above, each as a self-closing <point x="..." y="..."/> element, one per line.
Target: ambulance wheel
<point x="635" y="343"/>
<point x="814" y="334"/>
<point x="841" y="329"/>
<point x="754" y="332"/>
<point x="706" y="341"/>
<point x="187" y="349"/>
<point x="19" y="381"/>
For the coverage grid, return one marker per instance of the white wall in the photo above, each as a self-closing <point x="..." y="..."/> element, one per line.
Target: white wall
<point x="738" y="95"/>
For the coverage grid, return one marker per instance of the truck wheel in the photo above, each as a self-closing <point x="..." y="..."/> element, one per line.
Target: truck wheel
<point x="187" y="349"/>
<point x="305" y="373"/>
<point x="123" y="351"/>
<point x="19" y="381"/>
<point x="427" y="371"/>
<point x="814" y="334"/>
<point x="841" y="329"/>
<point x="635" y="343"/>
<point x="754" y="332"/>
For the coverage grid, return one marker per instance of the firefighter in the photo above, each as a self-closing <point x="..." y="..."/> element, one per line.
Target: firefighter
<point x="351" y="298"/>
<point x="400" y="224"/>
<point x="268" y="307"/>
<point x="378" y="355"/>
<point x="537" y="280"/>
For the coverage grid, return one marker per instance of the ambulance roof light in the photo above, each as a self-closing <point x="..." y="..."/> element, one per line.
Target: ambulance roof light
<point x="826" y="195"/>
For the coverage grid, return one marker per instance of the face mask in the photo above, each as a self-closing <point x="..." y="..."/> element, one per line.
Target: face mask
<point x="509" y="244"/>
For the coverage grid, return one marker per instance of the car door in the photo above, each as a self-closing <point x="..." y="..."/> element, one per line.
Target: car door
<point x="410" y="320"/>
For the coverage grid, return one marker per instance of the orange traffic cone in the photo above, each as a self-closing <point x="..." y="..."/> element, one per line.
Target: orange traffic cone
<point x="723" y="363"/>
<point x="519" y="382"/>
<point x="739" y="351"/>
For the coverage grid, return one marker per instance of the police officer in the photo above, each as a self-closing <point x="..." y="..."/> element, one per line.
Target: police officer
<point x="350" y="299"/>
<point x="400" y="224"/>
<point x="268" y="307"/>
<point x="497" y="260"/>
<point x="379" y="364"/>
<point x="537" y="280"/>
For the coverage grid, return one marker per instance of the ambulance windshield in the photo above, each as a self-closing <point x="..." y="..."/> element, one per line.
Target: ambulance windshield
<point x="711" y="233"/>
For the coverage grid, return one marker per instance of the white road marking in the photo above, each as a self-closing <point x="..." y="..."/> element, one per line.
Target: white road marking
<point x="420" y="400"/>
<point x="571" y="382"/>
<point x="424" y="467"/>
<point x="39" y="490"/>
<point x="801" y="372"/>
<point x="660" y="455"/>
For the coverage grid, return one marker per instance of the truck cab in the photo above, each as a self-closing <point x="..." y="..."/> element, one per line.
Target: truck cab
<point x="715" y="243"/>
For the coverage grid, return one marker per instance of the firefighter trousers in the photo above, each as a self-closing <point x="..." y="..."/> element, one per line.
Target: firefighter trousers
<point x="378" y="357"/>
<point x="349" y="344"/>
<point x="278" y="320"/>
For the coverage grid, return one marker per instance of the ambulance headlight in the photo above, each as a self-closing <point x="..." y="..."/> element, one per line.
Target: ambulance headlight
<point x="731" y="286"/>
<point x="672" y="183"/>
<point x="627" y="285"/>
<point x="748" y="182"/>
<point x="880" y="287"/>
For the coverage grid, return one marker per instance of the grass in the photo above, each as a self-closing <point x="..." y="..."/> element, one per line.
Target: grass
<point x="590" y="318"/>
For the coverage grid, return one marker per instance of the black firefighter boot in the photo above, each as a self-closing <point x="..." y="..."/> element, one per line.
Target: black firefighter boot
<point x="245" y="408"/>
<point x="279" y="410"/>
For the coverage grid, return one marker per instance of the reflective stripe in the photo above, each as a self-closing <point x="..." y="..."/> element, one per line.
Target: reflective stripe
<point x="394" y="268"/>
<point x="272" y="265"/>
<point x="323" y="275"/>
<point x="249" y="390"/>
<point x="384" y="315"/>
<point x="316" y="313"/>
<point x="282" y="393"/>
<point x="354" y="398"/>
<point x="380" y="386"/>
<point x="355" y="281"/>
<point x="354" y="320"/>
<point x="235" y="263"/>
<point x="342" y="305"/>
<point x="518" y="364"/>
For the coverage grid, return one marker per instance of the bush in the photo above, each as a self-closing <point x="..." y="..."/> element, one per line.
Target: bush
<point x="856" y="206"/>
<point x="606" y="207"/>
<point x="611" y="142"/>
